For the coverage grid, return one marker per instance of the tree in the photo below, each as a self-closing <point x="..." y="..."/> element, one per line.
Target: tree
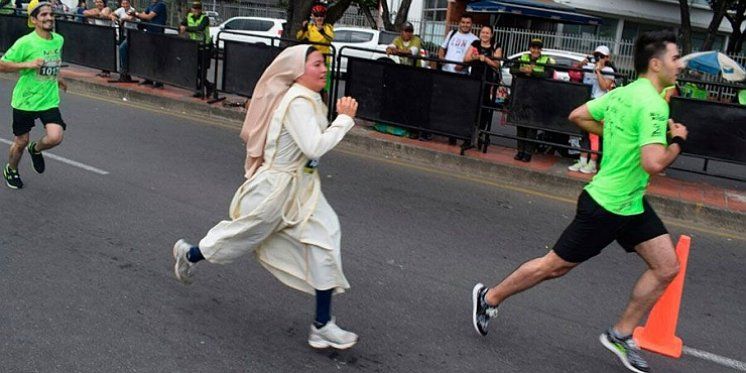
<point x="365" y="6"/>
<point x="736" y="15"/>
<point x="719" y="8"/>
<point x="686" y="27"/>
<point x="401" y="15"/>
<point x="300" y="10"/>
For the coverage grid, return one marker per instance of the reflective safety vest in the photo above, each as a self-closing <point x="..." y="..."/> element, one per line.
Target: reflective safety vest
<point x="203" y="36"/>
<point x="540" y="63"/>
<point x="7" y="8"/>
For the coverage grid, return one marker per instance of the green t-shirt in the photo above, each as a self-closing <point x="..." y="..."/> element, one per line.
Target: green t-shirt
<point x="36" y="89"/>
<point x="634" y="116"/>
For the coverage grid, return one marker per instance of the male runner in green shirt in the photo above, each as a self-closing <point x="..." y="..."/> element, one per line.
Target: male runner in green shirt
<point x="613" y="207"/>
<point x="37" y="57"/>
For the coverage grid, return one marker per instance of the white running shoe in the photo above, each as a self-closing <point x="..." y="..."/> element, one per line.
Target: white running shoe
<point x="589" y="168"/>
<point x="183" y="267"/>
<point x="578" y="165"/>
<point x="330" y="335"/>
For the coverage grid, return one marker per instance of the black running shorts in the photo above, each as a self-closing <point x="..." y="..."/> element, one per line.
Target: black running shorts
<point x="24" y="121"/>
<point x="594" y="228"/>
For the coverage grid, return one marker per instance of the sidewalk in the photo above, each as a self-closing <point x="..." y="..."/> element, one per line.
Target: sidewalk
<point x="696" y="202"/>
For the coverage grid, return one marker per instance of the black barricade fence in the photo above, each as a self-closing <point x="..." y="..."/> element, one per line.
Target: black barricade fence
<point x="545" y="104"/>
<point x="243" y="65"/>
<point x="716" y="131"/>
<point x="88" y="45"/>
<point x="11" y="28"/>
<point x="441" y="102"/>
<point x="163" y="58"/>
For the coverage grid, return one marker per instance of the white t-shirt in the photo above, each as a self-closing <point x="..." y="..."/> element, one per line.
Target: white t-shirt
<point x="456" y="49"/>
<point x="590" y="78"/>
<point x="121" y="14"/>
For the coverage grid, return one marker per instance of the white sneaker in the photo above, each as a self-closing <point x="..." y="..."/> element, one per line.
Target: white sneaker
<point x="183" y="267"/>
<point x="331" y="336"/>
<point x="578" y="165"/>
<point x="589" y="168"/>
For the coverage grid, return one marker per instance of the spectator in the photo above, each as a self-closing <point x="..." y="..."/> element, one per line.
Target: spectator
<point x="406" y="45"/>
<point x="197" y="26"/>
<point x="99" y="15"/>
<point x="59" y="7"/>
<point x="483" y="62"/>
<point x="319" y="32"/>
<point x="598" y="74"/>
<point x="456" y="44"/>
<point x="454" y="48"/>
<point x="532" y="64"/>
<point x="155" y="15"/>
<point x="125" y="17"/>
<point x="82" y="7"/>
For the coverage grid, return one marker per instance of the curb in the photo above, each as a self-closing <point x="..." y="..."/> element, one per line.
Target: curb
<point x="358" y="141"/>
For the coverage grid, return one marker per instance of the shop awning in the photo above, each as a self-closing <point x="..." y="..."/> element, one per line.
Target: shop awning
<point x="534" y="8"/>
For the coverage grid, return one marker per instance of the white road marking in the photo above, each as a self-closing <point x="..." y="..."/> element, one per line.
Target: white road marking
<point x="67" y="161"/>
<point x="717" y="359"/>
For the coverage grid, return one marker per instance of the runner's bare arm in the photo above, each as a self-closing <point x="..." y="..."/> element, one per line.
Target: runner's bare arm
<point x="61" y="83"/>
<point x="11" y="67"/>
<point x="583" y="119"/>
<point x="656" y="157"/>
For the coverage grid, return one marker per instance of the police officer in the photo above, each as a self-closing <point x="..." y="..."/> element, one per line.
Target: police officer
<point x="197" y="26"/>
<point x="532" y="64"/>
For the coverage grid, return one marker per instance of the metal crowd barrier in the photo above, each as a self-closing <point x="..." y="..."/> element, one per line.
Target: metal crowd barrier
<point x="717" y="132"/>
<point x="243" y="63"/>
<point x="163" y="57"/>
<point x="542" y="104"/>
<point x="88" y="45"/>
<point x="412" y="97"/>
<point x="12" y="27"/>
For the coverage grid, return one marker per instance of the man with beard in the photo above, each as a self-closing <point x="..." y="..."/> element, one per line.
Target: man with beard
<point x="37" y="57"/>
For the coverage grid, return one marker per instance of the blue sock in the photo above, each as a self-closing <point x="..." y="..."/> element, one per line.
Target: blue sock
<point x="323" y="307"/>
<point x="194" y="255"/>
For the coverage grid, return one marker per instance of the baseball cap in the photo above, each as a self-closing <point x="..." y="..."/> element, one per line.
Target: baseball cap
<point x="197" y="5"/>
<point x="536" y="42"/>
<point x="407" y="26"/>
<point x="603" y="50"/>
<point x="33" y="6"/>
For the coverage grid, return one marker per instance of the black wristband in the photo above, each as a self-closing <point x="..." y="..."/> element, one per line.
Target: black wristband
<point x="678" y="140"/>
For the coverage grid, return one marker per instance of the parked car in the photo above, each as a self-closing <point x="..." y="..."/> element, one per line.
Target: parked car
<point x="359" y="37"/>
<point x="563" y="58"/>
<point x="214" y="17"/>
<point x="270" y="27"/>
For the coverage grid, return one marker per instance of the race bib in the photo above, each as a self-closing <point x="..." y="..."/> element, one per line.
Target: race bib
<point x="50" y="70"/>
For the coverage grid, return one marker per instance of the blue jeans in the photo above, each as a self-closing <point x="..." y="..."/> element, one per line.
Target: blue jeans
<point x="123" y="49"/>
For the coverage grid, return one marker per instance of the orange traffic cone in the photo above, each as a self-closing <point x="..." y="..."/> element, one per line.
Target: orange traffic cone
<point x="659" y="333"/>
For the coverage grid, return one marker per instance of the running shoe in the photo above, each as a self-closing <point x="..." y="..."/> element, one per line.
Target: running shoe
<point x="36" y="158"/>
<point x="12" y="179"/>
<point x="627" y="351"/>
<point x="331" y="335"/>
<point x="481" y="311"/>
<point x="183" y="267"/>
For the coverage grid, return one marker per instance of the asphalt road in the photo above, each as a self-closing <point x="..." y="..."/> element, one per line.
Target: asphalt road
<point x="85" y="266"/>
